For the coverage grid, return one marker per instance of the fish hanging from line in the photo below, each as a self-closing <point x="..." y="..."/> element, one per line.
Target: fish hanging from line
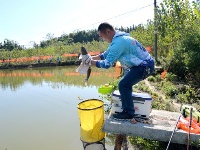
<point x="84" y="68"/>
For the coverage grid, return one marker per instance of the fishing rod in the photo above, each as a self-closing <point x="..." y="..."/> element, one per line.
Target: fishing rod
<point x="188" y="141"/>
<point x="173" y="132"/>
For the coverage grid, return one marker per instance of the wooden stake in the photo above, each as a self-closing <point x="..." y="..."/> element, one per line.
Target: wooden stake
<point x="119" y="141"/>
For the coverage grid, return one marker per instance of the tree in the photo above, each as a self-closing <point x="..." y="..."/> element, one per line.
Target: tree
<point x="177" y="26"/>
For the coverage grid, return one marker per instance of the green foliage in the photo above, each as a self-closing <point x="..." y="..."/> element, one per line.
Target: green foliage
<point x="186" y="57"/>
<point x="151" y="79"/>
<point x="173" y="89"/>
<point x="196" y="144"/>
<point x="191" y="49"/>
<point x="65" y="39"/>
<point x="159" y="103"/>
<point x="178" y="48"/>
<point x="145" y="144"/>
<point x="171" y="77"/>
<point x="186" y="94"/>
<point x="141" y="87"/>
<point x="144" y="33"/>
<point x="158" y="78"/>
<point x="169" y="89"/>
<point x="182" y="98"/>
<point x="177" y="65"/>
<point x="55" y="51"/>
<point x="9" y="45"/>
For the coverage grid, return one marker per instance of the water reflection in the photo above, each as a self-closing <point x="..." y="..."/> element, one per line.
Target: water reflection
<point x="64" y="75"/>
<point x="38" y="107"/>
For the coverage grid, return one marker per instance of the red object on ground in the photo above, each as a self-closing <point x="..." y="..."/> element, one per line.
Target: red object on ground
<point x="148" y="48"/>
<point x="163" y="74"/>
<point x="184" y="125"/>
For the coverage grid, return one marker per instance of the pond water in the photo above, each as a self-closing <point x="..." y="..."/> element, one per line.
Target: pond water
<point x="38" y="107"/>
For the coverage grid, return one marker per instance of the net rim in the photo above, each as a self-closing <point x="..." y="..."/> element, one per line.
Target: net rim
<point x="90" y="108"/>
<point x="103" y="139"/>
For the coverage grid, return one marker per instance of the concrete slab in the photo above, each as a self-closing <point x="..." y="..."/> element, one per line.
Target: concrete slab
<point x="160" y="128"/>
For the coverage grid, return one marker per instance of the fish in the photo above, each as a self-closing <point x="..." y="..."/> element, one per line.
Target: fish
<point x="84" y="52"/>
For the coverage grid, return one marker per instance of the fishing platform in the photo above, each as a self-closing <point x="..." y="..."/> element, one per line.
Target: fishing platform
<point x="159" y="127"/>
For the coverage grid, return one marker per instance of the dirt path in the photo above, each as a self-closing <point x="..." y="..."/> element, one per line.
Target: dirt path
<point x="176" y="106"/>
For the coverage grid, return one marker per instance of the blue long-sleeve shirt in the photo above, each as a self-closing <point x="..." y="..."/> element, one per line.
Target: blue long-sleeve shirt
<point x="125" y="49"/>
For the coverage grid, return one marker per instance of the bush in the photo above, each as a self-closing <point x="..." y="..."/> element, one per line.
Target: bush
<point x="169" y="89"/>
<point x="177" y="65"/>
<point x="191" y="47"/>
<point x="182" y="98"/>
<point x="151" y="79"/>
<point x="171" y="77"/>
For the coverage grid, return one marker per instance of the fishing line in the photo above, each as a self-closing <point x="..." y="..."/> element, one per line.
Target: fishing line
<point x="135" y="10"/>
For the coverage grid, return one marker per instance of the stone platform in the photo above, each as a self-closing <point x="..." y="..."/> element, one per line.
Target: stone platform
<point x="160" y="127"/>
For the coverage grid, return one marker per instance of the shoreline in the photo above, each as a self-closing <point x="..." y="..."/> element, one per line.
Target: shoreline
<point x="36" y="65"/>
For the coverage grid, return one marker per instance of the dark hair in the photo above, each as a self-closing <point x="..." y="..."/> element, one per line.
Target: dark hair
<point x="103" y="26"/>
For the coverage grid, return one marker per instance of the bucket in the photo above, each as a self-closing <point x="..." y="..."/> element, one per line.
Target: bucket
<point x="91" y="116"/>
<point x="106" y="89"/>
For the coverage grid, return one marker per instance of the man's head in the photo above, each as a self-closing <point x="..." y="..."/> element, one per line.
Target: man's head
<point x="106" y="32"/>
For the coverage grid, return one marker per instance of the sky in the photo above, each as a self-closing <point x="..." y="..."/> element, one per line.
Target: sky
<point x="28" y="21"/>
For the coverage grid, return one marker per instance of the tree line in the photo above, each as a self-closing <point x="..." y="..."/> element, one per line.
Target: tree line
<point x="10" y="45"/>
<point x="64" y="39"/>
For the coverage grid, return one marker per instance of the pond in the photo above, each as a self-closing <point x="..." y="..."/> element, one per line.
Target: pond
<point x="38" y="106"/>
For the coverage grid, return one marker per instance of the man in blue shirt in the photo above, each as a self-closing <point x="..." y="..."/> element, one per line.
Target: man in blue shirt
<point x="137" y="63"/>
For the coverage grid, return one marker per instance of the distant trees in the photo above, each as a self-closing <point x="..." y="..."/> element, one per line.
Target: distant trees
<point x="76" y="37"/>
<point x="10" y="45"/>
<point x="64" y="39"/>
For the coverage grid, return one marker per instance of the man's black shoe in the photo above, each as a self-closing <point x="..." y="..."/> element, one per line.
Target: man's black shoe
<point x="123" y="116"/>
